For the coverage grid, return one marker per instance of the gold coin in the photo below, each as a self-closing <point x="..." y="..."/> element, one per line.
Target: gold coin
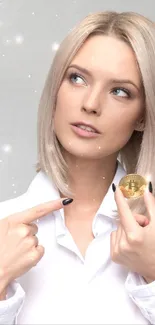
<point x="133" y="185"/>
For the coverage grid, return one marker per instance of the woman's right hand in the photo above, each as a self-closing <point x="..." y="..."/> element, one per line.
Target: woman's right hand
<point x="19" y="249"/>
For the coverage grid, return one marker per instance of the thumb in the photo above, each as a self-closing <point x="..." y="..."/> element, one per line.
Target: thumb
<point x="143" y="221"/>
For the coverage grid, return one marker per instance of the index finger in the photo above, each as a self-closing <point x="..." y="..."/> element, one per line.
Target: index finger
<point x="126" y="217"/>
<point x="38" y="211"/>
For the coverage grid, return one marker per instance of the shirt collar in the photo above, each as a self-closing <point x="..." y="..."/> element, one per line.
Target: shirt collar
<point x="43" y="190"/>
<point x="108" y="206"/>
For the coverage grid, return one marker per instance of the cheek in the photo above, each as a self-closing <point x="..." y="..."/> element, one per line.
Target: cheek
<point x="121" y="127"/>
<point x="126" y="119"/>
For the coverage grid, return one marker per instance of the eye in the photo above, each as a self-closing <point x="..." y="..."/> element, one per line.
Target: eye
<point x="76" y="78"/>
<point x="122" y="92"/>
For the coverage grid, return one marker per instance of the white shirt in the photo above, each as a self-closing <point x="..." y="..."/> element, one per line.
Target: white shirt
<point x="64" y="287"/>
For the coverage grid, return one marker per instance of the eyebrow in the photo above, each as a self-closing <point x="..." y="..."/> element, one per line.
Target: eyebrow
<point x="115" y="80"/>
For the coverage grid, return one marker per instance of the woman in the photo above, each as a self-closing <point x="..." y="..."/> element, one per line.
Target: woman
<point x="96" y="123"/>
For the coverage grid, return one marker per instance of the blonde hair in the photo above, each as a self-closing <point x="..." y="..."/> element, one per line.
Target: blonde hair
<point x="138" y="155"/>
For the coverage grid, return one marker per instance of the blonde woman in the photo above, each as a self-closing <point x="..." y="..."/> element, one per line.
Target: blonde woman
<point x="87" y="256"/>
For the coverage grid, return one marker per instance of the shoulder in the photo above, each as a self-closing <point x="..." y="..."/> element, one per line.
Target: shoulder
<point x="40" y="190"/>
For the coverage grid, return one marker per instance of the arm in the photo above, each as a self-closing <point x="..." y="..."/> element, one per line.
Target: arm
<point x="11" y="302"/>
<point x="142" y="294"/>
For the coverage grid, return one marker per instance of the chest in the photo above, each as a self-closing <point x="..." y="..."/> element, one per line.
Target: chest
<point x="62" y="290"/>
<point x="63" y="295"/>
<point x="81" y="232"/>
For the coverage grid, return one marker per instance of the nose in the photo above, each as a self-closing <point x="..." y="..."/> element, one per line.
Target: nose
<point x="91" y="102"/>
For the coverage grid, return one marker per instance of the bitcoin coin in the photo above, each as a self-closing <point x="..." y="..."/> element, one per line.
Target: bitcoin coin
<point x="133" y="185"/>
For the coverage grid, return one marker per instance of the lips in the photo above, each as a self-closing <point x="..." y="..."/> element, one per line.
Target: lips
<point x="86" y="126"/>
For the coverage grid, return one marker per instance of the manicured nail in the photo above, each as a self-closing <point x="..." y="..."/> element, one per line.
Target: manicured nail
<point x="113" y="187"/>
<point x="67" y="201"/>
<point x="150" y="187"/>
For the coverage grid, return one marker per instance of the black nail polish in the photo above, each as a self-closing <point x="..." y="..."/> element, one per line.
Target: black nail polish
<point x="150" y="187"/>
<point x="67" y="201"/>
<point x="113" y="187"/>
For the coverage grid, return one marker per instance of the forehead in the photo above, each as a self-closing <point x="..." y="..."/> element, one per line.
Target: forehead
<point x="107" y="54"/>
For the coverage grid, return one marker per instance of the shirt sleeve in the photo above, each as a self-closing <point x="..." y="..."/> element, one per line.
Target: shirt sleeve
<point x="142" y="294"/>
<point x="11" y="307"/>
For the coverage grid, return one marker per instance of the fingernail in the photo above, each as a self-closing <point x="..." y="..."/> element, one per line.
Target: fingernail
<point x="67" y="201"/>
<point x="150" y="187"/>
<point x="113" y="187"/>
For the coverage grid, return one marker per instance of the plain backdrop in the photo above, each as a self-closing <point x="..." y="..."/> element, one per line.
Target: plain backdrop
<point x="30" y="33"/>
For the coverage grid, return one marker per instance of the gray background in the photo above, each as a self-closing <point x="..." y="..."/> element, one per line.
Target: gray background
<point x="30" y="33"/>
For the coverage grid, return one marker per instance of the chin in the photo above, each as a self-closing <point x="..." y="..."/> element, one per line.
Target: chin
<point x="84" y="152"/>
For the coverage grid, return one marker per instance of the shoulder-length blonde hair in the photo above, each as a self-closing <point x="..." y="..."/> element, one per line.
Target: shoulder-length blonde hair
<point x="138" y="156"/>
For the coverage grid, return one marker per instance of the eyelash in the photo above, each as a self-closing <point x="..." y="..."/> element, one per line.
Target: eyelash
<point x="123" y="89"/>
<point x="75" y="74"/>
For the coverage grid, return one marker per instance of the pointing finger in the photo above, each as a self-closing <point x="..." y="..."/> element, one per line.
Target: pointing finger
<point x="39" y="211"/>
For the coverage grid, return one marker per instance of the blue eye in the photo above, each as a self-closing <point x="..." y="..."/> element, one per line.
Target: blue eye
<point x="121" y="92"/>
<point x="76" y="78"/>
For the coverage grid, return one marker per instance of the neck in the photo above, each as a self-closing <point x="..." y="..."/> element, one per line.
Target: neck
<point x="90" y="180"/>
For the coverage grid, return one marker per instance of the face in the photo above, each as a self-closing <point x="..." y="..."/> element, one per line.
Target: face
<point x="100" y="99"/>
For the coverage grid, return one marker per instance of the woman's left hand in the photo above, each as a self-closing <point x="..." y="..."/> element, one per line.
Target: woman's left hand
<point x="133" y="243"/>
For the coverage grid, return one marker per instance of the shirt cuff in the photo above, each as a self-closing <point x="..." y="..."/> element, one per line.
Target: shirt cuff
<point x="143" y="294"/>
<point x="10" y="308"/>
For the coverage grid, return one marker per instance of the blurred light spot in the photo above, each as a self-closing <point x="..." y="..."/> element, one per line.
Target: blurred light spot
<point x="33" y="13"/>
<point x="55" y="46"/>
<point x="29" y="76"/>
<point x="7" y="42"/>
<point x="19" y="39"/>
<point x="1" y="161"/>
<point x="7" y="148"/>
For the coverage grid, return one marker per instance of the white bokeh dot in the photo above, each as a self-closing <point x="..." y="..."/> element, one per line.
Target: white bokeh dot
<point x="19" y="39"/>
<point x="7" y="148"/>
<point x="7" y="42"/>
<point x="55" y="46"/>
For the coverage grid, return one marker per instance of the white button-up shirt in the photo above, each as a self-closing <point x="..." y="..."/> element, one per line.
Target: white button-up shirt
<point x="64" y="287"/>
